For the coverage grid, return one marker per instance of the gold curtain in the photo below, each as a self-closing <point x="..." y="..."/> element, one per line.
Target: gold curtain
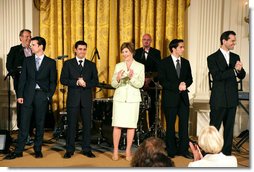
<point x="105" y="25"/>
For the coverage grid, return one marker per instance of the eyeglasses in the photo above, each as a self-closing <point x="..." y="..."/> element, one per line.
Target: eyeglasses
<point x="146" y="39"/>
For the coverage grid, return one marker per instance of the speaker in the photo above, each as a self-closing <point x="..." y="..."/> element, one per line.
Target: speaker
<point x="5" y="141"/>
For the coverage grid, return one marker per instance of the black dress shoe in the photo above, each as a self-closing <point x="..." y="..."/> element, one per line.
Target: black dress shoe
<point x="68" y="155"/>
<point x="188" y="155"/>
<point x="13" y="155"/>
<point x="89" y="154"/>
<point x="38" y="154"/>
<point x="29" y="142"/>
<point x="171" y="156"/>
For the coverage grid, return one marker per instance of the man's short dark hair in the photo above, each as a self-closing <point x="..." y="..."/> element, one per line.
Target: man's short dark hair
<point x="41" y="41"/>
<point x="24" y="30"/>
<point x="225" y="35"/>
<point x="174" y="44"/>
<point x="80" y="43"/>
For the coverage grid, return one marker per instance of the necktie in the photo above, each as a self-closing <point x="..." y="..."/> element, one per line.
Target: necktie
<point x="178" y="68"/>
<point x="80" y="67"/>
<point x="37" y="62"/>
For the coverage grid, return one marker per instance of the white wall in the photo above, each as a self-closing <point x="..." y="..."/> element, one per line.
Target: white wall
<point x="15" y="15"/>
<point x="206" y="21"/>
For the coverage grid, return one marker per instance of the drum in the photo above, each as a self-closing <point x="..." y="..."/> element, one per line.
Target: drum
<point x="102" y="119"/>
<point x="102" y="110"/>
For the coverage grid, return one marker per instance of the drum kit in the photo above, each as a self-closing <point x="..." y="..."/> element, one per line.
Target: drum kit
<point x="102" y="116"/>
<point x="102" y="129"/>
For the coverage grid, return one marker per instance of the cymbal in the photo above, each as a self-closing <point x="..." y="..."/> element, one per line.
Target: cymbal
<point x="158" y="87"/>
<point x="151" y="74"/>
<point x="104" y="86"/>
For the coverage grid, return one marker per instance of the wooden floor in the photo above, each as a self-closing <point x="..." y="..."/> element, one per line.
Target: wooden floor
<point x="53" y="151"/>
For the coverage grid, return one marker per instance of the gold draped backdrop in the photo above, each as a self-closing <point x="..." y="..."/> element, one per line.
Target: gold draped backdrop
<point x="105" y="25"/>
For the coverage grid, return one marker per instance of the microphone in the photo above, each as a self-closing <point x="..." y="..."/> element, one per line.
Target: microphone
<point x="97" y="52"/>
<point x="61" y="57"/>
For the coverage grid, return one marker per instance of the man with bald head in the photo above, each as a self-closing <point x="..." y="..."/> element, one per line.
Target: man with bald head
<point x="150" y="57"/>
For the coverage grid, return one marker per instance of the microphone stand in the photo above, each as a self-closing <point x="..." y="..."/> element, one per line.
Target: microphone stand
<point x="18" y="69"/>
<point x="9" y="99"/>
<point x="95" y="53"/>
<point x="9" y="102"/>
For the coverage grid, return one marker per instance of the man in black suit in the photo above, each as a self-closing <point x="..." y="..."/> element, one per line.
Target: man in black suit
<point x="37" y="85"/>
<point x="150" y="57"/>
<point x="175" y="77"/>
<point x="81" y="76"/>
<point x="15" y="60"/>
<point x="225" y="67"/>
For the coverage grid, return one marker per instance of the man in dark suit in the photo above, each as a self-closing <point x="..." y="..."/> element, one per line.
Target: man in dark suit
<point x="80" y="75"/>
<point x="37" y="85"/>
<point x="150" y="57"/>
<point x="175" y="77"/>
<point x="225" y="67"/>
<point x="15" y="60"/>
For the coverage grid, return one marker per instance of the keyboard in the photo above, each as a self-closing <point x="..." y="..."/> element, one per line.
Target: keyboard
<point x="242" y="95"/>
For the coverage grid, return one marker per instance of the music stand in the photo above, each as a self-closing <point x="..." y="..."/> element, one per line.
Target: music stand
<point x="9" y="74"/>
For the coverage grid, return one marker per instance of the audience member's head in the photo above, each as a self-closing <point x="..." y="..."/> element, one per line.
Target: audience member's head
<point x="210" y="140"/>
<point x="158" y="160"/>
<point x="151" y="153"/>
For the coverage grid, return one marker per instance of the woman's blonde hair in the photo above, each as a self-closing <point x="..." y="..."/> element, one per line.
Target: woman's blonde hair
<point x="210" y="140"/>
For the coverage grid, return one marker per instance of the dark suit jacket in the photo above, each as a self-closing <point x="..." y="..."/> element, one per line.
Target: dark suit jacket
<point x="153" y="59"/>
<point x="224" y="91"/>
<point x="15" y="59"/>
<point x="70" y="73"/>
<point x="46" y="78"/>
<point x="170" y="82"/>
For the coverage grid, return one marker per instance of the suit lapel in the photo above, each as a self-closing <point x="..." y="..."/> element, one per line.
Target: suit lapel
<point x="33" y="63"/>
<point x="232" y="62"/>
<point x="75" y="65"/>
<point x="43" y="63"/>
<point x="21" y="51"/>
<point x="221" y="60"/>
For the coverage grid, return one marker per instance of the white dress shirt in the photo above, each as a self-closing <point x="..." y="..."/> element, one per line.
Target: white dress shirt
<point x="175" y="58"/>
<point x="83" y="61"/>
<point x="225" y="54"/>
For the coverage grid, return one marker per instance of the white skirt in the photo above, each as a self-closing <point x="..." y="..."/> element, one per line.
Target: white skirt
<point x="125" y="115"/>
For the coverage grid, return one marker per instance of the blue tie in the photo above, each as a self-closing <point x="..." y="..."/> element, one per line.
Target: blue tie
<point x="37" y="62"/>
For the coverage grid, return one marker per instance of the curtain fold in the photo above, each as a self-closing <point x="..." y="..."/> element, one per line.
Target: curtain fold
<point x="105" y="25"/>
